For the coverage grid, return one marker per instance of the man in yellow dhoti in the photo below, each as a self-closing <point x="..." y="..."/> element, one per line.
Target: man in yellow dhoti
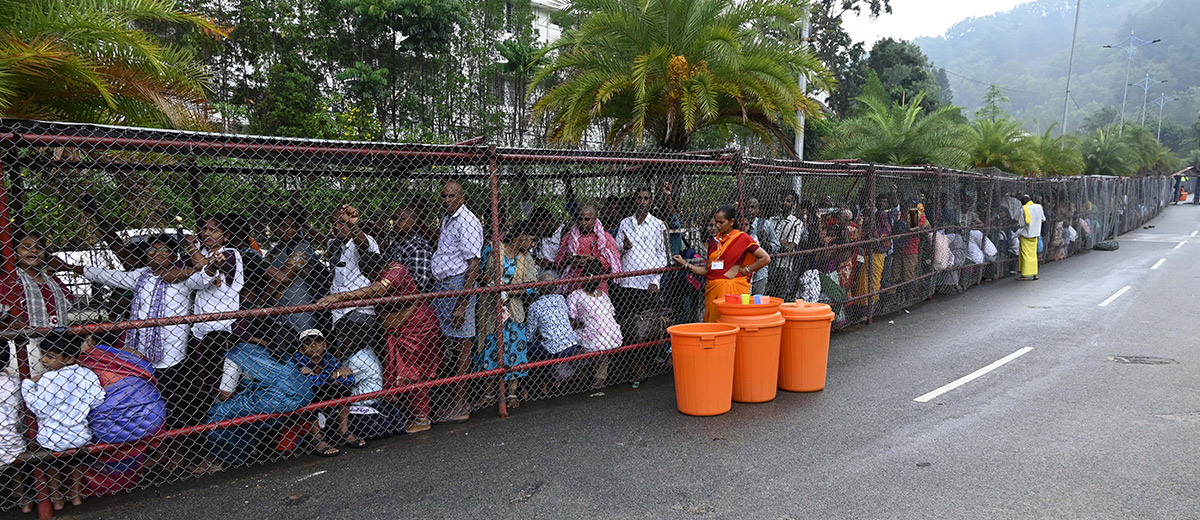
<point x="1032" y="217"/>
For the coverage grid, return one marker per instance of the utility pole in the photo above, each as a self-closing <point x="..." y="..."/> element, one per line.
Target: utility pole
<point x="1129" y="45"/>
<point x="1162" y="101"/>
<point x="1145" y="84"/>
<point x="1070" y="67"/>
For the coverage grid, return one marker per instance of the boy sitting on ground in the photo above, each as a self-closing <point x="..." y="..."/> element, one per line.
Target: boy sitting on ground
<point x="330" y="380"/>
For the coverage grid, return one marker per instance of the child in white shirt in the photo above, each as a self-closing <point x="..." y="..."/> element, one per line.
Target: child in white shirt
<point x="61" y="399"/>
<point x="592" y="312"/>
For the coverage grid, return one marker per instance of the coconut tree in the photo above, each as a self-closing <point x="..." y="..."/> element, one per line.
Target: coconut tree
<point x="999" y="142"/>
<point x="1152" y="157"/>
<point x="522" y="59"/>
<point x="90" y="61"/>
<point x="1192" y="159"/>
<point x="669" y="68"/>
<point x="1106" y="153"/>
<point x="1056" y="155"/>
<point x="887" y="131"/>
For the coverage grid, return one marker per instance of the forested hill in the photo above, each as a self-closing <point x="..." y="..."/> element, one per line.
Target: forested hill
<point x="1025" y="52"/>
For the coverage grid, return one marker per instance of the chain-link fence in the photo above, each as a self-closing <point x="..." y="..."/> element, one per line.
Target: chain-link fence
<point x="177" y="303"/>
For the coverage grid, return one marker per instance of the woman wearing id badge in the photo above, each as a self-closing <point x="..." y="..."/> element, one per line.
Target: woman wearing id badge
<point x="733" y="259"/>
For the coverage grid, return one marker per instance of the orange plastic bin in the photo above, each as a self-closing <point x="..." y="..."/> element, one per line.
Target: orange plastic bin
<point x="756" y="363"/>
<point x="804" y="348"/>
<point x="703" y="358"/>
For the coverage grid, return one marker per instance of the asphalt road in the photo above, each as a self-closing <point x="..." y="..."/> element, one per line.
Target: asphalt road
<point x="1062" y="431"/>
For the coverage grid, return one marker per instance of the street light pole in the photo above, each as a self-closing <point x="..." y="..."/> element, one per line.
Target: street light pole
<point x="1129" y="45"/>
<point x="1070" y="67"/>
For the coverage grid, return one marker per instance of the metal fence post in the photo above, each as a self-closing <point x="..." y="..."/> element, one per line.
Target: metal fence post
<point x="869" y="255"/>
<point x="8" y="249"/>
<point x="498" y="273"/>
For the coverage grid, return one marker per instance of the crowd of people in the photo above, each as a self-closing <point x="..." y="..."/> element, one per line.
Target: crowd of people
<point x="583" y="285"/>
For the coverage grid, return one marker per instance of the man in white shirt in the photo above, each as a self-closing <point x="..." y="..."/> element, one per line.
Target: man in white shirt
<point x="790" y="232"/>
<point x="1031" y="219"/>
<point x="643" y="242"/>
<point x="456" y="267"/>
<point x="353" y="327"/>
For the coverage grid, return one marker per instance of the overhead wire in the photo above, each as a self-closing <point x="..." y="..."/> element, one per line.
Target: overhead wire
<point x="1003" y="88"/>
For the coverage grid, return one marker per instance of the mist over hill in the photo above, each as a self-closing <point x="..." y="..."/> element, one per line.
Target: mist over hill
<point x="1025" y="52"/>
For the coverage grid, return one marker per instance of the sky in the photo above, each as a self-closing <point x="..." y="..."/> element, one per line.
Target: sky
<point x="913" y="18"/>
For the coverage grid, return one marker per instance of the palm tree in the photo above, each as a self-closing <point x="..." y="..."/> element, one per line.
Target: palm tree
<point x="673" y="67"/>
<point x="1105" y="153"/>
<point x="522" y="60"/>
<point x="88" y="61"/>
<point x="1000" y="143"/>
<point x="1151" y="156"/>
<point x="1056" y="155"/>
<point x="885" y="131"/>
<point x="1192" y="159"/>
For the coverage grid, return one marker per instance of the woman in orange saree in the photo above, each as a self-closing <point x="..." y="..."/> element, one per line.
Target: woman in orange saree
<point x="733" y="258"/>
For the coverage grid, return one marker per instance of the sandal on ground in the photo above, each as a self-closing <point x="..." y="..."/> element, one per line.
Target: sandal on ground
<point x="636" y="384"/>
<point x="454" y="419"/>
<point x="349" y="440"/>
<point x="323" y="449"/>
<point x="512" y="401"/>
<point x="206" y="467"/>
<point x="418" y="425"/>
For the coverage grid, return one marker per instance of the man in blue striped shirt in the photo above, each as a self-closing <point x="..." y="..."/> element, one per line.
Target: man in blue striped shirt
<point x="549" y="329"/>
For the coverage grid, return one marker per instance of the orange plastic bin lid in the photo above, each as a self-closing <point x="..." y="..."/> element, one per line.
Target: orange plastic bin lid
<point x="740" y="309"/>
<point x="704" y="330"/>
<point x="801" y="310"/>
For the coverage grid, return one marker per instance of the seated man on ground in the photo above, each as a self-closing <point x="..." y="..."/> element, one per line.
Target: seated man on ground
<point x="252" y="382"/>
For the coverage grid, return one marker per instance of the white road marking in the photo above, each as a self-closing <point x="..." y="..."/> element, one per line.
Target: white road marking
<point x="1195" y="232"/>
<point x="973" y="375"/>
<point x="1181" y="244"/>
<point x="306" y="477"/>
<point x="1115" y="296"/>
<point x="1158" y="263"/>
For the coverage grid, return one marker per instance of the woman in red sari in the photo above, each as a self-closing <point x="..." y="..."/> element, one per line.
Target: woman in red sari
<point x="733" y="258"/>
<point x="412" y="334"/>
